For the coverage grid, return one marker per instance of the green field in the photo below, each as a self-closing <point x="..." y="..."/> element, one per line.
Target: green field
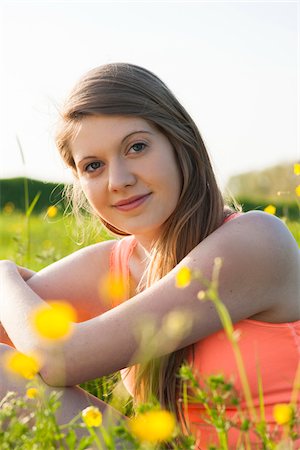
<point x="38" y="241"/>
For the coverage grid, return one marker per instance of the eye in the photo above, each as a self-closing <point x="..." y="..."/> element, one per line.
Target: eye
<point x="137" y="148"/>
<point x="93" y="166"/>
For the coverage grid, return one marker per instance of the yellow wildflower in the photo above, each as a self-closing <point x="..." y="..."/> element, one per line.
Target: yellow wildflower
<point x="270" y="209"/>
<point x="297" y="190"/>
<point x="54" y="320"/>
<point x="92" y="417"/>
<point x="297" y="169"/>
<point x="52" y="211"/>
<point x="183" y="277"/>
<point x="282" y="413"/>
<point x="20" y="364"/>
<point x="112" y="289"/>
<point x="8" y="208"/>
<point x="153" y="426"/>
<point x="31" y="393"/>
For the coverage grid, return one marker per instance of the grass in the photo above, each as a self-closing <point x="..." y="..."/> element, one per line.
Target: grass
<point x="52" y="239"/>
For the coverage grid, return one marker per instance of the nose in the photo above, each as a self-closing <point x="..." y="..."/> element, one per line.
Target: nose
<point x="120" y="175"/>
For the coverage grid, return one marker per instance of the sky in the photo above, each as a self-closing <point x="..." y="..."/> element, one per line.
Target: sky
<point x="234" y="65"/>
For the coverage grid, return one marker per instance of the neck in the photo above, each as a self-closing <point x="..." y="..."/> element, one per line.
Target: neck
<point x="144" y="246"/>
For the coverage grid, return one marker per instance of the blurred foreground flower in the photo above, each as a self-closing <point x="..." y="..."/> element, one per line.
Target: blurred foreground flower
<point x="52" y="211"/>
<point x="282" y="413"/>
<point x="270" y="209"/>
<point x="177" y="324"/>
<point x="91" y="416"/>
<point x="54" y="320"/>
<point x="31" y="393"/>
<point x="297" y="190"/>
<point x="153" y="426"/>
<point x="183" y="277"/>
<point x="297" y="169"/>
<point x="8" y="208"/>
<point x="113" y="289"/>
<point x="20" y="364"/>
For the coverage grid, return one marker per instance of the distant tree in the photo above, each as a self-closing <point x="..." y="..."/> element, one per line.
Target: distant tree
<point x="270" y="183"/>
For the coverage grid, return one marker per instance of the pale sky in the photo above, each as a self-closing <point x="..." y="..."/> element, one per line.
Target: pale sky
<point x="233" y="65"/>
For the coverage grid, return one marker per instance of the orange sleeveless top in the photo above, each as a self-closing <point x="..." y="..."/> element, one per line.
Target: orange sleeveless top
<point x="269" y="349"/>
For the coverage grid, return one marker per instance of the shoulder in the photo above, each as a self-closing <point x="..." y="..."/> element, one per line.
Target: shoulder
<point x="100" y="250"/>
<point x="75" y="277"/>
<point x="260" y="261"/>
<point x="264" y="232"/>
<point x="262" y="237"/>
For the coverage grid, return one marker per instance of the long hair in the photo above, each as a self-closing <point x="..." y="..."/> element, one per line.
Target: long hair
<point x="130" y="90"/>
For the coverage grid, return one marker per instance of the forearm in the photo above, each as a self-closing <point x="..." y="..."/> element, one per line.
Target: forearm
<point x="17" y="303"/>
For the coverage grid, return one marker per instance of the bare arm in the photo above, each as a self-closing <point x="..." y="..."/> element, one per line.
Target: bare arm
<point x="74" y="278"/>
<point x="260" y="271"/>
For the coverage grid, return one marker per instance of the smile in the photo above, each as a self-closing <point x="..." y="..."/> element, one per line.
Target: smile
<point x="131" y="203"/>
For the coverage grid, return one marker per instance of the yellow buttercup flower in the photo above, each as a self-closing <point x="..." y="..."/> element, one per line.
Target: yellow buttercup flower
<point x="153" y="426"/>
<point x="52" y="211"/>
<point x="270" y="209"/>
<point x="282" y="413"/>
<point x="20" y="364"/>
<point x="297" y="169"/>
<point x="113" y="289"/>
<point x="55" y="320"/>
<point x="297" y="190"/>
<point x="8" y="208"/>
<point x="183" y="277"/>
<point x="92" y="417"/>
<point x="31" y="393"/>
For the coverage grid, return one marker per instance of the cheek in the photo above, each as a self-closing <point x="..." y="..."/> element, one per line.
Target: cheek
<point x="92" y="194"/>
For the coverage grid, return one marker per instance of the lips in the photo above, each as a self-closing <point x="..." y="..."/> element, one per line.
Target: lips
<point x="131" y="203"/>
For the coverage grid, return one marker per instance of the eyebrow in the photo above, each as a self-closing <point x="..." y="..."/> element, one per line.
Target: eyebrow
<point x="135" y="132"/>
<point x="123" y="140"/>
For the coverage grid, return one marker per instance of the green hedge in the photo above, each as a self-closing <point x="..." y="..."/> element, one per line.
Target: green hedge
<point x="12" y="190"/>
<point x="284" y="208"/>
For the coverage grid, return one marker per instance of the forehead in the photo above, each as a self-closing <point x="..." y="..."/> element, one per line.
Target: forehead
<point x="107" y="130"/>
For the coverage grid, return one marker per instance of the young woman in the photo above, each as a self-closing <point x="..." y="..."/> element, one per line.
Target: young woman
<point x="141" y="167"/>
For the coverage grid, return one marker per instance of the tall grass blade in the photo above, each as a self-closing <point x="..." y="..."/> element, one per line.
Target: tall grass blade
<point x="261" y="394"/>
<point x="32" y="204"/>
<point x="26" y="189"/>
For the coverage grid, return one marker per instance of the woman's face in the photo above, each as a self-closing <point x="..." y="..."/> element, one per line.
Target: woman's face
<point x="128" y="172"/>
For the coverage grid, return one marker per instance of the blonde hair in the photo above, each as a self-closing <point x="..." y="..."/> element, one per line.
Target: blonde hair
<point x="130" y="90"/>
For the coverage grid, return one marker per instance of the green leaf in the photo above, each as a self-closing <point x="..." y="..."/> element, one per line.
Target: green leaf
<point x="84" y="442"/>
<point x="71" y="439"/>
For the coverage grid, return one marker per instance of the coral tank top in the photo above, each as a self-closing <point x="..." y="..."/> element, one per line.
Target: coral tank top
<point x="270" y="351"/>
